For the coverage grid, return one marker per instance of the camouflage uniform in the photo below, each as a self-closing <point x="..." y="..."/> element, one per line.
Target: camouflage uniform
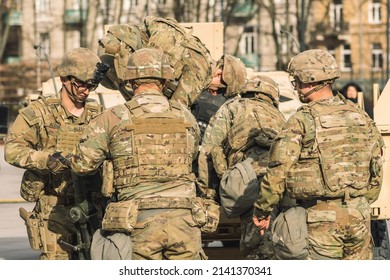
<point x="244" y="128"/>
<point x="151" y="142"/>
<point x="229" y="79"/>
<point x="41" y="129"/>
<point x="190" y="59"/>
<point x="328" y="157"/>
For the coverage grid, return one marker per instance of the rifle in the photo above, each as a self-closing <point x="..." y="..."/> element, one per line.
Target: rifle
<point x="85" y="217"/>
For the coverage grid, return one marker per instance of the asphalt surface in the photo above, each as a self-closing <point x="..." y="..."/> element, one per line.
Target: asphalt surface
<point x="14" y="244"/>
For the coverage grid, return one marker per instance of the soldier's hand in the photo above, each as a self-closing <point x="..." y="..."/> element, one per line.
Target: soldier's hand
<point x="262" y="224"/>
<point x="57" y="163"/>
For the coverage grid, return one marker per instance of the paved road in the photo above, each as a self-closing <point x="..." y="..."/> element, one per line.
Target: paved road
<point x="14" y="243"/>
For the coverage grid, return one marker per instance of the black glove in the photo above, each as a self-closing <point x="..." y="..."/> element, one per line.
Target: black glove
<point x="57" y="163"/>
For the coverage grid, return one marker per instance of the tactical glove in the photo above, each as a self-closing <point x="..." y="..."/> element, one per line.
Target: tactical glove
<point x="57" y="163"/>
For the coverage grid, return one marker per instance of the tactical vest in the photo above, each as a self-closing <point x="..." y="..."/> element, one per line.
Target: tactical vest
<point x="68" y="135"/>
<point x="339" y="163"/>
<point x="205" y="107"/>
<point x="255" y="125"/>
<point x="158" y="147"/>
<point x="57" y="133"/>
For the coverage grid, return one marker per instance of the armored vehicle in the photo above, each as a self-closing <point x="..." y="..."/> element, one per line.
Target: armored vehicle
<point x="381" y="208"/>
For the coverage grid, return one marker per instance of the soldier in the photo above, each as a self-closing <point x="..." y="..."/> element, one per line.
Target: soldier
<point x="228" y="80"/>
<point x="151" y="141"/>
<point x="328" y="157"/>
<point x="44" y="129"/>
<point x="243" y="130"/>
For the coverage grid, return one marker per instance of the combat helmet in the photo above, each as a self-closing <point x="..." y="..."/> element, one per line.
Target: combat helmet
<point x="263" y="85"/>
<point x="83" y="64"/>
<point x="314" y="66"/>
<point x="233" y="74"/>
<point x="148" y="63"/>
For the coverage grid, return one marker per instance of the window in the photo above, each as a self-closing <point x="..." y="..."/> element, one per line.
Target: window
<point x="43" y="6"/>
<point x="248" y="43"/>
<point x="377" y="56"/>
<point x="44" y="46"/>
<point x="374" y="11"/>
<point x="346" y="62"/>
<point x="336" y="16"/>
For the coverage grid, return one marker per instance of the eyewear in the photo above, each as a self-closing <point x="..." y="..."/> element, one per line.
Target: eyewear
<point x="89" y="84"/>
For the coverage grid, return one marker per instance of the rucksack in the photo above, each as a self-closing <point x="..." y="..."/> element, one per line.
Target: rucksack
<point x="289" y="234"/>
<point x="191" y="60"/>
<point x="239" y="189"/>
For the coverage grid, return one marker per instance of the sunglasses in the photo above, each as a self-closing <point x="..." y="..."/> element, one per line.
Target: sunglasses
<point x="91" y="85"/>
<point x="294" y="83"/>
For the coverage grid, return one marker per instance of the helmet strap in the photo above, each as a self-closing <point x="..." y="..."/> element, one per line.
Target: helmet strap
<point x="315" y="89"/>
<point x="71" y="94"/>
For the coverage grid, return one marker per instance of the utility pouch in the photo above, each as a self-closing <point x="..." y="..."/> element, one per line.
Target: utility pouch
<point x="108" y="178"/>
<point x="121" y="216"/>
<point x="31" y="187"/>
<point x="205" y="213"/>
<point x="32" y="225"/>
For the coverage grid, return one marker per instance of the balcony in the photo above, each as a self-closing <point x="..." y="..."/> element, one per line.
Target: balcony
<point x="16" y="18"/>
<point x="73" y="16"/>
<point x="250" y="60"/>
<point x="241" y="10"/>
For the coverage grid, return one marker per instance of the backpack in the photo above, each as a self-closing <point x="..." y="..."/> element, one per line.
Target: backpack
<point x="191" y="60"/>
<point x="239" y="189"/>
<point x="289" y="234"/>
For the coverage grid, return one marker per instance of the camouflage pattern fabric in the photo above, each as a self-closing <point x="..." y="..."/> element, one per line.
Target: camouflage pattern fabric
<point x="32" y="138"/>
<point x="112" y="137"/>
<point x="340" y="230"/>
<point x="297" y="138"/>
<point x="232" y="122"/>
<point x="188" y="56"/>
<point x="170" y="235"/>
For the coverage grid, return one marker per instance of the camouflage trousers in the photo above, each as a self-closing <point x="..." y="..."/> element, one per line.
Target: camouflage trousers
<point x="166" y="235"/>
<point x="340" y="230"/>
<point x="54" y="225"/>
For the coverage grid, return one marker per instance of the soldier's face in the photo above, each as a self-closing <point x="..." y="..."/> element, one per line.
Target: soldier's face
<point x="216" y="82"/>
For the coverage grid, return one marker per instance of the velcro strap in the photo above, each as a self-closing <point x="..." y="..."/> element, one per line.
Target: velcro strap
<point x="165" y="202"/>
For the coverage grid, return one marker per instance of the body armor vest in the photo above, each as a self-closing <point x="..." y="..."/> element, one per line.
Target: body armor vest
<point x="340" y="165"/>
<point x="254" y="128"/>
<point x="68" y="134"/>
<point x="205" y="107"/>
<point x="159" y="151"/>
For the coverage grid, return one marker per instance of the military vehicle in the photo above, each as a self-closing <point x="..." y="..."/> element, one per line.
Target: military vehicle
<point x="381" y="208"/>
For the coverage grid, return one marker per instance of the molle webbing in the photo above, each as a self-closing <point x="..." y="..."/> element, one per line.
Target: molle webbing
<point x="69" y="133"/>
<point x="160" y="144"/>
<point x="255" y="124"/>
<point x="164" y="203"/>
<point x="342" y="135"/>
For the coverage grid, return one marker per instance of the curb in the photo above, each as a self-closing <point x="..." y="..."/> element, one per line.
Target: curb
<point x="12" y="200"/>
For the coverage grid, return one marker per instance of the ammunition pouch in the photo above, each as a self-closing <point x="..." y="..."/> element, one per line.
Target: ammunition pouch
<point x="108" y="178"/>
<point x="121" y="216"/>
<point x="205" y="213"/>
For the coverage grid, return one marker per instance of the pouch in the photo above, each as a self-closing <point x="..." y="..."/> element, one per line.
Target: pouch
<point x="121" y="216"/>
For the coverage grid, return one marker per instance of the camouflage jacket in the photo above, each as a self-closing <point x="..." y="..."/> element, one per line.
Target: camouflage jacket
<point x="218" y="149"/>
<point x="299" y="136"/>
<point x="114" y="137"/>
<point x="35" y="133"/>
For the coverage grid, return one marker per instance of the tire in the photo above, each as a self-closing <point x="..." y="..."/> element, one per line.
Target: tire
<point x="380" y="235"/>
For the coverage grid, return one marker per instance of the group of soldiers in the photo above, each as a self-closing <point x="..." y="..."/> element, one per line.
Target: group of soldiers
<point x="140" y="181"/>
